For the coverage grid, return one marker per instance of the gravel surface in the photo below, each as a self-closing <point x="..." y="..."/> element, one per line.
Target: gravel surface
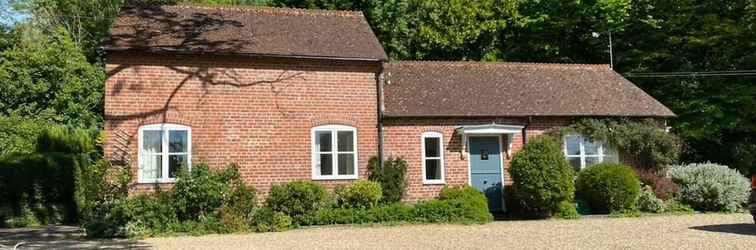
<point x="701" y="231"/>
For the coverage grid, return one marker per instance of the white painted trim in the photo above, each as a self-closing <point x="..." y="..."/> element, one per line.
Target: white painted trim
<point x="583" y="155"/>
<point x="490" y="129"/>
<point x="441" y="157"/>
<point x="334" y="129"/>
<point x="165" y="128"/>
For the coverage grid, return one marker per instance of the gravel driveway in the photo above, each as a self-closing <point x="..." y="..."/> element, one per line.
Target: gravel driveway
<point x="702" y="231"/>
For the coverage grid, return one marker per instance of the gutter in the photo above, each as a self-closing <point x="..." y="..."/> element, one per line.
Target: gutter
<point x="525" y="131"/>
<point x="379" y="78"/>
<point x="185" y="52"/>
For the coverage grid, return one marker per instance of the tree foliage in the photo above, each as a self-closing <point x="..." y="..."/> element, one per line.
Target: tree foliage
<point x="646" y="141"/>
<point x="46" y="81"/>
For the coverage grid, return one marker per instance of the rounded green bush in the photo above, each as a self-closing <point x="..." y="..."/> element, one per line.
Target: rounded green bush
<point x="542" y="177"/>
<point x="360" y="194"/>
<point x="711" y="187"/>
<point x="298" y="198"/>
<point x="609" y="187"/>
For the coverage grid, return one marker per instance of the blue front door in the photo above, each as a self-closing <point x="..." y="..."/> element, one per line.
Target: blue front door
<point x="485" y="170"/>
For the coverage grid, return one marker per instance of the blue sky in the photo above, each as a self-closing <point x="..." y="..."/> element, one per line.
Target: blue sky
<point x="8" y="16"/>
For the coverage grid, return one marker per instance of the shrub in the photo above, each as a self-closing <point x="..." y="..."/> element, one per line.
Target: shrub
<point x="464" y="193"/>
<point x="648" y="202"/>
<point x="646" y="141"/>
<point x="542" y="177"/>
<point x="393" y="212"/>
<point x="674" y="206"/>
<point x="662" y="186"/>
<point x="392" y="177"/>
<point x="455" y="204"/>
<point x="201" y="201"/>
<point x="360" y="194"/>
<point x="47" y="184"/>
<point x="297" y="199"/>
<point x="141" y="215"/>
<point x="24" y="218"/>
<point x="267" y="220"/>
<point x="711" y="187"/>
<point x="608" y="187"/>
<point x="567" y="210"/>
<point x="198" y="192"/>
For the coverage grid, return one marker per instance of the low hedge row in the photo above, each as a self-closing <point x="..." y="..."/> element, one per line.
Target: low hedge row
<point x="207" y="201"/>
<point x="455" y="205"/>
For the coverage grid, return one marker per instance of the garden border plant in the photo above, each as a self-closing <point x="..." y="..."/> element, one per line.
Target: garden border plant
<point x="652" y="146"/>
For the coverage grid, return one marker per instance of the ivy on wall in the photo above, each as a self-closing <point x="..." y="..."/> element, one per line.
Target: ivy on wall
<point x="646" y="140"/>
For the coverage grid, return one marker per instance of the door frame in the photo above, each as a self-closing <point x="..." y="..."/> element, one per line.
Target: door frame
<point x="469" y="162"/>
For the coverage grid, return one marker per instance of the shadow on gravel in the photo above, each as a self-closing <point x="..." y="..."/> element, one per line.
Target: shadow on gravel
<point x="60" y="237"/>
<point x="741" y="228"/>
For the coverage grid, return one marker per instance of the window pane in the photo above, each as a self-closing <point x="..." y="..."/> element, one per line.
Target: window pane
<point x="153" y="141"/>
<point x="345" y="141"/>
<point x="610" y="154"/>
<point x="431" y="147"/>
<point x="591" y="148"/>
<point x="326" y="164"/>
<point x="346" y="164"/>
<point x="177" y="141"/>
<point x="175" y="163"/>
<point x="152" y="167"/>
<point x="591" y="161"/>
<point x="572" y="143"/>
<point x="433" y="169"/>
<point x="574" y="162"/>
<point x="323" y="141"/>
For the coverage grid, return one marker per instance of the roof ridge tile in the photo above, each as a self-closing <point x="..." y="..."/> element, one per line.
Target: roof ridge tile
<point x="493" y="63"/>
<point x="271" y="10"/>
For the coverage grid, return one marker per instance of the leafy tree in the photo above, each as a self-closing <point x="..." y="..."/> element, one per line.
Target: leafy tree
<point x="47" y="81"/>
<point x="716" y="114"/>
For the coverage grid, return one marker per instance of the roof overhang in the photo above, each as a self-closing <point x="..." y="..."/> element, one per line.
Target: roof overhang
<point x="492" y="128"/>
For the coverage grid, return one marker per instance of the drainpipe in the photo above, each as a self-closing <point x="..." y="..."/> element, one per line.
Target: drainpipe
<point x="379" y="79"/>
<point x="525" y="131"/>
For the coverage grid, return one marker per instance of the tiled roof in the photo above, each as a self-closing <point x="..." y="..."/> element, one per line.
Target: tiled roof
<point x="438" y="88"/>
<point x="246" y="30"/>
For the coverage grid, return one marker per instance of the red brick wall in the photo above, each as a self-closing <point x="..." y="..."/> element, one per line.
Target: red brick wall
<point x="402" y="138"/>
<point x="257" y="113"/>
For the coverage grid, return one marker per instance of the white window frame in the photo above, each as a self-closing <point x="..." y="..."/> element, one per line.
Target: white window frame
<point x="165" y="128"/>
<point x="583" y="155"/>
<point x="334" y="129"/>
<point x="440" y="156"/>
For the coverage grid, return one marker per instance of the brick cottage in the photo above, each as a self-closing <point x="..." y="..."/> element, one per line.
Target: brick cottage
<point x="290" y="94"/>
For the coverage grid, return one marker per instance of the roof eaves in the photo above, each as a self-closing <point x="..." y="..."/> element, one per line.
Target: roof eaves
<point x="187" y="52"/>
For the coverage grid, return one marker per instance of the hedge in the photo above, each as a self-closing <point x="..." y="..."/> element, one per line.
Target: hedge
<point x="46" y="184"/>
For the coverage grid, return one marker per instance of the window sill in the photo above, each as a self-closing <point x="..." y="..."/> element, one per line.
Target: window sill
<point x="334" y="178"/>
<point x="167" y="181"/>
<point x="434" y="182"/>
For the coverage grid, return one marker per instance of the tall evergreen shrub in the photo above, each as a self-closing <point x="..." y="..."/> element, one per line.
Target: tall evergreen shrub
<point x="542" y="177"/>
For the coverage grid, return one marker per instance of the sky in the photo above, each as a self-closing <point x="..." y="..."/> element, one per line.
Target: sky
<point x="8" y="16"/>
